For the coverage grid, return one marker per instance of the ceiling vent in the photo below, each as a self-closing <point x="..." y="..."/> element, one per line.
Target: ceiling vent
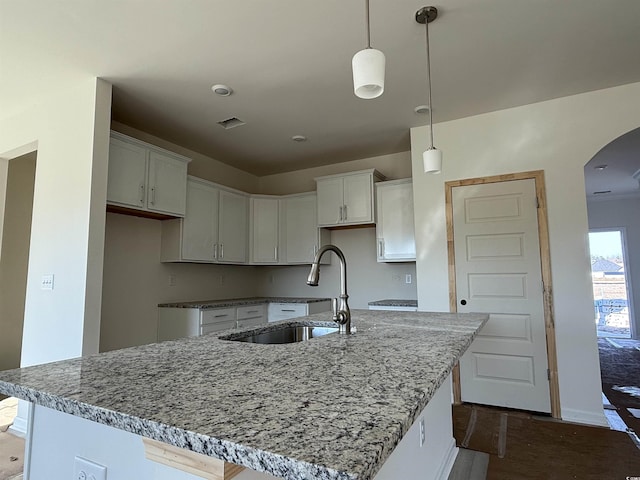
<point x="230" y="123"/>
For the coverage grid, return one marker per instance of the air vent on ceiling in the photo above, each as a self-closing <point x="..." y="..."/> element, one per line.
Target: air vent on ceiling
<point x="230" y="123"/>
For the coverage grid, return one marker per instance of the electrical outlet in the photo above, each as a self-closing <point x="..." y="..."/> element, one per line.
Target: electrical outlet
<point x="46" y="283"/>
<point x="84" y="469"/>
<point x="173" y="280"/>
<point x="407" y="278"/>
<point x="221" y="279"/>
<point x="422" y="432"/>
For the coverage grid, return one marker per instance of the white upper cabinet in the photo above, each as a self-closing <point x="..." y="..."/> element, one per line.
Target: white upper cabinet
<point x="233" y="227"/>
<point x="200" y="224"/>
<point x="145" y="177"/>
<point x="214" y="229"/>
<point x="301" y="236"/>
<point x="395" y="231"/>
<point x="347" y="199"/>
<point x="265" y="235"/>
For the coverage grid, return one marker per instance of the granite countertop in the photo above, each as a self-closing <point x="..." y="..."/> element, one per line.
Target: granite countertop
<point x="238" y="302"/>
<point x="333" y="407"/>
<point x="395" y="303"/>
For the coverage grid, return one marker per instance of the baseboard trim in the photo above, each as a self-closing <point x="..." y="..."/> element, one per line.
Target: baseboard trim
<point x="448" y="459"/>
<point x="582" y="416"/>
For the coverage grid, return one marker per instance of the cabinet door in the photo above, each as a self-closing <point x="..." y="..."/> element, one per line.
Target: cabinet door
<point x="127" y="174"/>
<point x="200" y="223"/>
<point x="395" y="227"/>
<point x="330" y="201"/>
<point x="358" y="199"/>
<point x="264" y="221"/>
<point x="233" y="227"/>
<point x="167" y="184"/>
<point x="300" y="229"/>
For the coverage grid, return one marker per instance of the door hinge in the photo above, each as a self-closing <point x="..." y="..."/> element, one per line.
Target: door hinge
<point x="548" y="374"/>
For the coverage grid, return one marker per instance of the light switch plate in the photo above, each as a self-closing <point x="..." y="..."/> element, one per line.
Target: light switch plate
<point x="47" y="282"/>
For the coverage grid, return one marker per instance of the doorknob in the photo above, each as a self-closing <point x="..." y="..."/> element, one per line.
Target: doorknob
<point x="463" y="302"/>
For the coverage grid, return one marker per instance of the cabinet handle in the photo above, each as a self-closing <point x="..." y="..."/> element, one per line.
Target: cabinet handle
<point x="153" y="195"/>
<point x="142" y="194"/>
<point x="341" y="213"/>
<point x="275" y="253"/>
<point x="252" y="311"/>
<point x="345" y="212"/>
<point x="215" y="251"/>
<point x="221" y="315"/>
<point x="287" y="310"/>
<point x="221" y="250"/>
<point x="380" y="248"/>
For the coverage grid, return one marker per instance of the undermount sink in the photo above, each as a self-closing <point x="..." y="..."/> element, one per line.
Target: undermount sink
<point x="286" y="334"/>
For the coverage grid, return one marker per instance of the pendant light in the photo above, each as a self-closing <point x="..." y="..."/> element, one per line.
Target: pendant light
<point x="431" y="157"/>
<point x="368" y="69"/>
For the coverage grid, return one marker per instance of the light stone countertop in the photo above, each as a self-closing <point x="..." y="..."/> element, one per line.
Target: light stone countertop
<point x="394" y="303"/>
<point x="239" y="302"/>
<point x="333" y="407"/>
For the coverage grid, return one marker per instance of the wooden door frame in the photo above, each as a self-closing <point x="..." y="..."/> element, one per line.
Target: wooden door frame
<point x="545" y="266"/>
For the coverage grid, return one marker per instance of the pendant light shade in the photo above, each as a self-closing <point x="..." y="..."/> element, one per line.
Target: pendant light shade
<point x="368" y="69"/>
<point x="432" y="160"/>
<point x="368" y="73"/>
<point x="432" y="157"/>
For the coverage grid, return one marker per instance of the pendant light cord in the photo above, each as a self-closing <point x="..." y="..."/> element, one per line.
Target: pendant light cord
<point x="368" y="27"/>
<point x="426" y="25"/>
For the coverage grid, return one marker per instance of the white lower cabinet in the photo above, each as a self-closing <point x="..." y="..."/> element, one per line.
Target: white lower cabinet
<point x="286" y="311"/>
<point x="174" y="323"/>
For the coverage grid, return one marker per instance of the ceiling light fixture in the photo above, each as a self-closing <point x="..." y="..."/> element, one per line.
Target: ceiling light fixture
<point x="432" y="157"/>
<point x="421" y="109"/>
<point x="368" y="69"/>
<point x="222" y="90"/>
<point x="299" y="138"/>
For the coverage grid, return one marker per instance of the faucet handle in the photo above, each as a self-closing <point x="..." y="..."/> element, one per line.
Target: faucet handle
<point x="334" y="308"/>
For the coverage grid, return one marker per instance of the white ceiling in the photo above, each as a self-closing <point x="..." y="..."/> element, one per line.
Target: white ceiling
<point x="289" y="62"/>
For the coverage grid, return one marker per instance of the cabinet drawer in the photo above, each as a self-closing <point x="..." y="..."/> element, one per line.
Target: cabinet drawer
<point x="218" y="315"/>
<point x="285" y="311"/>
<point x="217" y="327"/>
<point x="252" y="311"/>
<point x="251" y="322"/>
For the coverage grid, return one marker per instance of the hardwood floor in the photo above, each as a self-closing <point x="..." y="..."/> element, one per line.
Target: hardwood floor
<point x="523" y="446"/>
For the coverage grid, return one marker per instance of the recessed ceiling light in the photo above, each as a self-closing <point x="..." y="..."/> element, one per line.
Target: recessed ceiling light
<point x="299" y="138"/>
<point x="421" y="109"/>
<point x="600" y="167"/>
<point x="222" y="90"/>
<point x="601" y="192"/>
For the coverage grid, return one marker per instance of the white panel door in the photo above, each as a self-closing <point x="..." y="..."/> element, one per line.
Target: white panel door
<point x="265" y="226"/>
<point x="200" y="224"/>
<point x="233" y="227"/>
<point x="127" y="174"/>
<point x="497" y="259"/>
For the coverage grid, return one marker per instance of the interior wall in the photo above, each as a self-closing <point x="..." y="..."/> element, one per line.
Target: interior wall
<point x="135" y="282"/>
<point x="200" y="166"/>
<point x="65" y="129"/>
<point x="616" y="213"/>
<point x="558" y="136"/>
<point x="14" y="258"/>
<point x="393" y="166"/>
<point x="367" y="280"/>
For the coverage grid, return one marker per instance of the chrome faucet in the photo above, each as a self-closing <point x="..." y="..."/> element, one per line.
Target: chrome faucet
<point x="342" y="315"/>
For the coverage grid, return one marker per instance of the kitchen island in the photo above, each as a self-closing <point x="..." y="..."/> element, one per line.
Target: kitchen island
<point x="333" y="407"/>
